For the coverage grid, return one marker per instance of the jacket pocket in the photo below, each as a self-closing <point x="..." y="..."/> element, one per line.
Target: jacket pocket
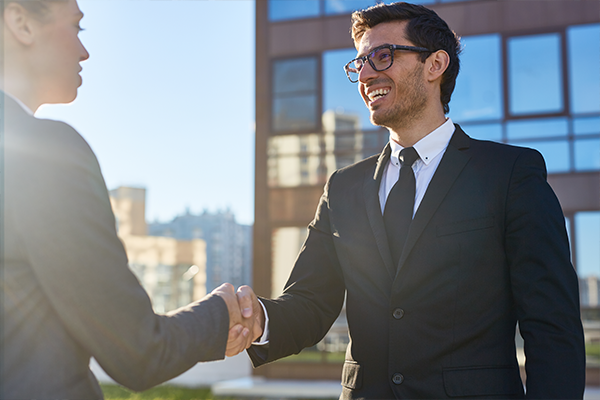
<point x="483" y="381"/>
<point x="465" y="226"/>
<point x="352" y="375"/>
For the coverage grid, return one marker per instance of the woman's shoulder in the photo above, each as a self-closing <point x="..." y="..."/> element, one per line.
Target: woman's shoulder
<point x="46" y="142"/>
<point x="42" y="133"/>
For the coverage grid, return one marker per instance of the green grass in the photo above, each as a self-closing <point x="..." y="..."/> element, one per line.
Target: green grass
<point x="592" y="350"/>
<point x="164" y="392"/>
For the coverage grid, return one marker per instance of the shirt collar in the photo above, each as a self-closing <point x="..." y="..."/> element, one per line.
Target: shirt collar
<point x="428" y="147"/>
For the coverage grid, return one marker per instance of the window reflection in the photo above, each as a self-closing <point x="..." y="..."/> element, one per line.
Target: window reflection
<point x="339" y="95"/>
<point x="484" y="131"/>
<point x="295" y="75"/>
<point x="294" y="160"/>
<point x="535" y="74"/>
<point x="478" y="92"/>
<point x="346" y="6"/>
<point x="295" y="94"/>
<point x="588" y="125"/>
<point x="374" y="142"/>
<point x="280" y="10"/>
<point x="292" y="9"/>
<point x="556" y="154"/>
<point x="587" y="237"/>
<point x="534" y="128"/>
<point x="286" y="244"/>
<point x="297" y="160"/>
<point x="294" y="113"/>
<point x="584" y="73"/>
<point x="587" y="155"/>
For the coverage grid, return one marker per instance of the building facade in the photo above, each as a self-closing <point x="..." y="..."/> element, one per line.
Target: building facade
<point x="172" y="271"/>
<point x="228" y="244"/>
<point x="530" y="76"/>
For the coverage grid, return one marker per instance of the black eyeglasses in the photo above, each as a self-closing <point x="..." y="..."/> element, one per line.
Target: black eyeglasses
<point x="380" y="58"/>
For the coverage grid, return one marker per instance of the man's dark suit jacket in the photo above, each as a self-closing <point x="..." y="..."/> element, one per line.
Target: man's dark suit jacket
<point x="67" y="292"/>
<point x="487" y="248"/>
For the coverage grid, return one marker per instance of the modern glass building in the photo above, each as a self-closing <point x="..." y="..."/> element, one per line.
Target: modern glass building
<point x="530" y="76"/>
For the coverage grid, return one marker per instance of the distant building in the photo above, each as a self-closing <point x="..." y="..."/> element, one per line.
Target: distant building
<point x="589" y="291"/>
<point x="172" y="271"/>
<point x="228" y="244"/>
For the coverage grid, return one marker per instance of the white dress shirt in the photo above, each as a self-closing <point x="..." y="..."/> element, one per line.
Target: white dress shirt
<point x="430" y="149"/>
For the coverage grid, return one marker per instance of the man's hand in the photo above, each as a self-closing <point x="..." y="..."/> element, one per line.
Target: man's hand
<point x="246" y="317"/>
<point x="251" y="308"/>
<point x="239" y="331"/>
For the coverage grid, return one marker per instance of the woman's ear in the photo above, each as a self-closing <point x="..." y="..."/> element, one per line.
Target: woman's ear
<point x="437" y="63"/>
<point x="19" y="23"/>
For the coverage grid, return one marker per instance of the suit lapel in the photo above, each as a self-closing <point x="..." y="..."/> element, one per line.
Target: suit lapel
<point x="451" y="165"/>
<point x="371" y="191"/>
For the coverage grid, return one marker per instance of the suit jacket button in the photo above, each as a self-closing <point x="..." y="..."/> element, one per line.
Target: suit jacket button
<point x="398" y="313"/>
<point x="397" y="379"/>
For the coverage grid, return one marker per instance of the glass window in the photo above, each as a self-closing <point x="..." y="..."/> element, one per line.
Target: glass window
<point x="295" y="94"/>
<point x="587" y="236"/>
<point x="295" y="113"/>
<point x="340" y="97"/>
<point x="484" y="131"/>
<point x="588" y="125"/>
<point x="478" y="92"/>
<point x="286" y="145"/>
<point x="297" y="160"/>
<point x="535" y="74"/>
<point x="584" y="67"/>
<point x="587" y="155"/>
<point x="556" y="154"/>
<point x="346" y="6"/>
<point x="295" y="75"/>
<point x="535" y="128"/>
<point x="292" y="9"/>
<point x="286" y="244"/>
<point x="374" y="142"/>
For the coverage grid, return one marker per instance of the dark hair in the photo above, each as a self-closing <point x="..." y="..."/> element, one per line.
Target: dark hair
<point x="424" y="29"/>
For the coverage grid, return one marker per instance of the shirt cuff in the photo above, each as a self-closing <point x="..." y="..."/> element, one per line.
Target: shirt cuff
<point x="264" y="339"/>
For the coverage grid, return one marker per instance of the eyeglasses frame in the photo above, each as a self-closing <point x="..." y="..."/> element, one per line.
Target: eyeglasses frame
<point x="392" y="47"/>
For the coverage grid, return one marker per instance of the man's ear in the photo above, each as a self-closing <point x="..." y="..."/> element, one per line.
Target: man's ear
<point x="19" y="23"/>
<point x="437" y="63"/>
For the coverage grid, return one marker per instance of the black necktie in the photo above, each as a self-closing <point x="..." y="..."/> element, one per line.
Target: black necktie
<point x="400" y="203"/>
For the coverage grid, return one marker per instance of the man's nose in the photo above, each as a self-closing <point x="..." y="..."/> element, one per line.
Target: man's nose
<point x="366" y="72"/>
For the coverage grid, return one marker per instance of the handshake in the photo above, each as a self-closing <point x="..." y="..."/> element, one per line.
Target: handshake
<point x="246" y="317"/>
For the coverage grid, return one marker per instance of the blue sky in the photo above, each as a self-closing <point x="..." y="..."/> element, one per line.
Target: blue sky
<point x="167" y="101"/>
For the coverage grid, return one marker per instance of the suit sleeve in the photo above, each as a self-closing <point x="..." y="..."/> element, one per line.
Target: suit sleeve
<point x="544" y="284"/>
<point x="313" y="296"/>
<point x="68" y="233"/>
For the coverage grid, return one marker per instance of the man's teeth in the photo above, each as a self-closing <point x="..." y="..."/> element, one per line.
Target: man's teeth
<point x="378" y="93"/>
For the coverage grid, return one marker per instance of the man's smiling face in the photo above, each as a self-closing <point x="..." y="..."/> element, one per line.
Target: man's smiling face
<point x="397" y="94"/>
